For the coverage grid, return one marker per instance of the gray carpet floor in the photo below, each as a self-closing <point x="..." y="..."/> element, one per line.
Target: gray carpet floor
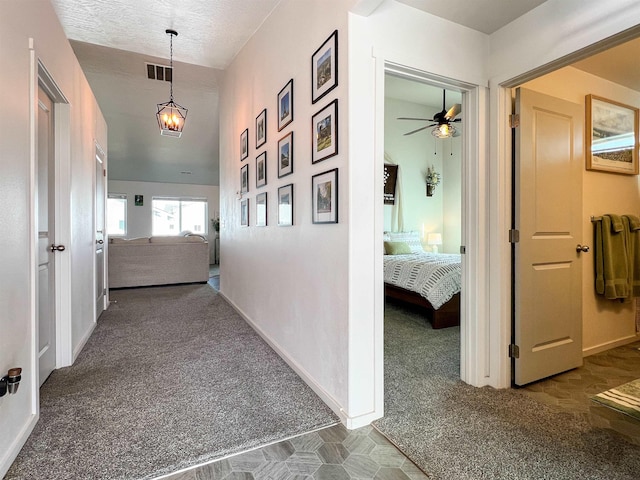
<point x="452" y="430"/>
<point x="171" y="377"/>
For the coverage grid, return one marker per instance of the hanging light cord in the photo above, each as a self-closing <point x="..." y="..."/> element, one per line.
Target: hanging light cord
<point x="171" y="65"/>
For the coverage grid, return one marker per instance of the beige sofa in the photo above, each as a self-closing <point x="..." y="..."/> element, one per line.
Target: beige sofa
<point x="158" y="261"/>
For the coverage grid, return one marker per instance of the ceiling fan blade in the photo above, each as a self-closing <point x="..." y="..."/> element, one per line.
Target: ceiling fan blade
<point x="453" y="111"/>
<point x="418" y="130"/>
<point x="421" y="119"/>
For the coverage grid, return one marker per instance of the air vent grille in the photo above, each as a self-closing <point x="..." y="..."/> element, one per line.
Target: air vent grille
<point x="159" y="72"/>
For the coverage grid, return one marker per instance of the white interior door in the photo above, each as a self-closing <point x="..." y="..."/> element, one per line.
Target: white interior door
<point x="548" y="216"/>
<point x="99" y="216"/>
<point x="46" y="236"/>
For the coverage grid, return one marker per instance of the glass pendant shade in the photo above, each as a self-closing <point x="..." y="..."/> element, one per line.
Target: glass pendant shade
<point x="444" y="130"/>
<point x="171" y="117"/>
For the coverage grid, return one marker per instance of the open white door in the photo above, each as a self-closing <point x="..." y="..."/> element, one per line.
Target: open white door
<point x="548" y="210"/>
<point x="99" y="220"/>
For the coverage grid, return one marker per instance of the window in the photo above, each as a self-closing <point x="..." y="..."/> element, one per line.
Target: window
<point x="174" y="215"/>
<point x="116" y="214"/>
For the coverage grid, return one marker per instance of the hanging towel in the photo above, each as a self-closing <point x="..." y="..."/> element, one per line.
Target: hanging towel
<point x="632" y="234"/>
<point x="612" y="276"/>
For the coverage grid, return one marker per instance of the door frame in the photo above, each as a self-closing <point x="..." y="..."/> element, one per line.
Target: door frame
<point x="500" y="164"/>
<point x="62" y="205"/>
<point x="102" y="156"/>
<point x="474" y="366"/>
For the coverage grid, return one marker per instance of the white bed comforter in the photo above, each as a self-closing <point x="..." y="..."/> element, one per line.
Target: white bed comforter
<point x="435" y="276"/>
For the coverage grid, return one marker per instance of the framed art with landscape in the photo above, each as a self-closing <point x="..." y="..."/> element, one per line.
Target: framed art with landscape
<point x="261" y="170"/>
<point x="324" y="193"/>
<point x="324" y="139"/>
<point x="285" y="205"/>
<point x="285" y="105"/>
<point x="261" y="128"/>
<point x="611" y="136"/>
<point x="285" y="155"/>
<point x="261" y="209"/>
<point x="324" y="68"/>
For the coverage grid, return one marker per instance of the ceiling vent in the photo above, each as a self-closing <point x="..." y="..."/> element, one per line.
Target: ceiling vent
<point x="159" y="72"/>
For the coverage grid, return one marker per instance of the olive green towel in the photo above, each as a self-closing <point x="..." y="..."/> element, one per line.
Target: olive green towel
<point x="632" y="232"/>
<point x="612" y="275"/>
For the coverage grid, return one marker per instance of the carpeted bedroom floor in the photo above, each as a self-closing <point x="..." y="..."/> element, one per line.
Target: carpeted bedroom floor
<point x="171" y="377"/>
<point x="453" y="430"/>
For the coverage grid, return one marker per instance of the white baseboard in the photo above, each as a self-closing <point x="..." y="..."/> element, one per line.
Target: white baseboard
<point x="603" y="347"/>
<point x="331" y="402"/>
<point x="17" y="444"/>
<point x="83" y="341"/>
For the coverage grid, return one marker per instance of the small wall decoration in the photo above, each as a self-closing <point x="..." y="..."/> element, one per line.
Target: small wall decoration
<point x="244" y="212"/>
<point x="432" y="179"/>
<point x="324" y="192"/>
<point x="285" y="155"/>
<point x="261" y="210"/>
<point x="244" y="179"/>
<point x="285" y="206"/>
<point x="139" y="200"/>
<point x="390" y="176"/>
<point x="324" y="68"/>
<point x="244" y="144"/>
<point x="261" y="170"/>
<point x="612" y="136"/>
<point x="261" y="128"/>
<point x="285" y="105"/>
<point x="325" y="133"/>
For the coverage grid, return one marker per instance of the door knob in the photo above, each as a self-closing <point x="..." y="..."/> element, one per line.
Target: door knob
<point x="582" y="248"/>
<point x="59" y="248"/>
<point x="100" y="242"/>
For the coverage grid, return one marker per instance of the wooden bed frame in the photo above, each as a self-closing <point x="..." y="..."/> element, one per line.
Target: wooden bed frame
<point x="448" y="315"/>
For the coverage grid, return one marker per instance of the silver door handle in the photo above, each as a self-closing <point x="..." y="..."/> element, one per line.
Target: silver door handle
<point x="100" y="242"/>
<point x="59" y="248"/>
<point x="582" y="248"/>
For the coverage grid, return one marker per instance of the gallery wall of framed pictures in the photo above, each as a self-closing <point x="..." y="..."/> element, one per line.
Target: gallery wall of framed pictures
<point x="324" y="146"/>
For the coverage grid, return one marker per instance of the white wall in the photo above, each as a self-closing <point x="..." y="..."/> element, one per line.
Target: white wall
<point x="606" y="323"/>
<point x="139" y="218"/>
<point x="290" y="282"/>
<point x="19" y="22"/>
<point x="414" y="153"/>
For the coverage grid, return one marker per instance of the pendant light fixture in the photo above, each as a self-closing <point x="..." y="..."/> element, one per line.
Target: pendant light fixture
<point x="171" y="116"/>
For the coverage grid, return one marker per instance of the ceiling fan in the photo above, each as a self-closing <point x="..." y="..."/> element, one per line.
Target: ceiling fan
<point x="442" y="121"/>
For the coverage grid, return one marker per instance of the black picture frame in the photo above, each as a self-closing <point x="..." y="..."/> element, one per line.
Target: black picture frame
<point x="261" y="209"/>
<point x="285" y="155"/>
<point x="285" y="105"/>
<point x="261" y="170"/>
<point x="285" y="206"/>
<point x="244" y="144"/>
<point x="244" y="178"/>
<point x="324" y="197"/>
<point x="244" y="212"/>
<point x="139" y="200"/>
<point x="261" y="128"/>
<point x="324" y="68"/>
<point x="324" y="133"/>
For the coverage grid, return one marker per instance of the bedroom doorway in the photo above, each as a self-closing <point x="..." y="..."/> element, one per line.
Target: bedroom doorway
<point x="424" y="213"/>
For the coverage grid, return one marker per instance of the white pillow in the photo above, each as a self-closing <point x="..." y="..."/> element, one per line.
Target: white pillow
<point x="411" y="238"/>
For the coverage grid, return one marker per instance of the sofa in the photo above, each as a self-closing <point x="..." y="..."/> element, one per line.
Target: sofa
<point x="158" y="260"/>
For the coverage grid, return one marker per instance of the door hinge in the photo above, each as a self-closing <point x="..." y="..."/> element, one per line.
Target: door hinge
<point x="514" y="235"/>
<point x="463" y="249"/>
<point x="514" y="351"/>
<point x="514" y="120"/>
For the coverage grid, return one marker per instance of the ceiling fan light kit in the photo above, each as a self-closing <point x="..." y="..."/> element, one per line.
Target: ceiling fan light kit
<point x="170" y="115"/>
<point x="442" y="121"/>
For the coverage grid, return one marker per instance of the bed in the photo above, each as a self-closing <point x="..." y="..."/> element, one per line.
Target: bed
<point x="428" y="280"/>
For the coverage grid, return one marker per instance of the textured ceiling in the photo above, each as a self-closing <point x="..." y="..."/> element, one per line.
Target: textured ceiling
<point x="210" y="32"/>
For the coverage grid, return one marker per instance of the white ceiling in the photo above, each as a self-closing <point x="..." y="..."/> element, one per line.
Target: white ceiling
<point x="113" y="39"/>
<point x="486" y="16"/>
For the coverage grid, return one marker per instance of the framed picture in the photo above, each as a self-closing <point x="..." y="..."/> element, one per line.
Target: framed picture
<point x="244" y="179"/>
<point x="244" y="144"/>
<point x="325" y="133"/>
<point x="612" y="136"/>
<point x="285" y="155"/>
<point x="261" y="128"/>
<point x="139" y="200"/>
<point x="285" y="206"/>
<point x="324" y="68"/>
<point x="285" y="105"/>
<point x="261" y="169"/>
<point x="261" y="210"/>
<point x="244" y="212"/>
<point x="324" y="197"/>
